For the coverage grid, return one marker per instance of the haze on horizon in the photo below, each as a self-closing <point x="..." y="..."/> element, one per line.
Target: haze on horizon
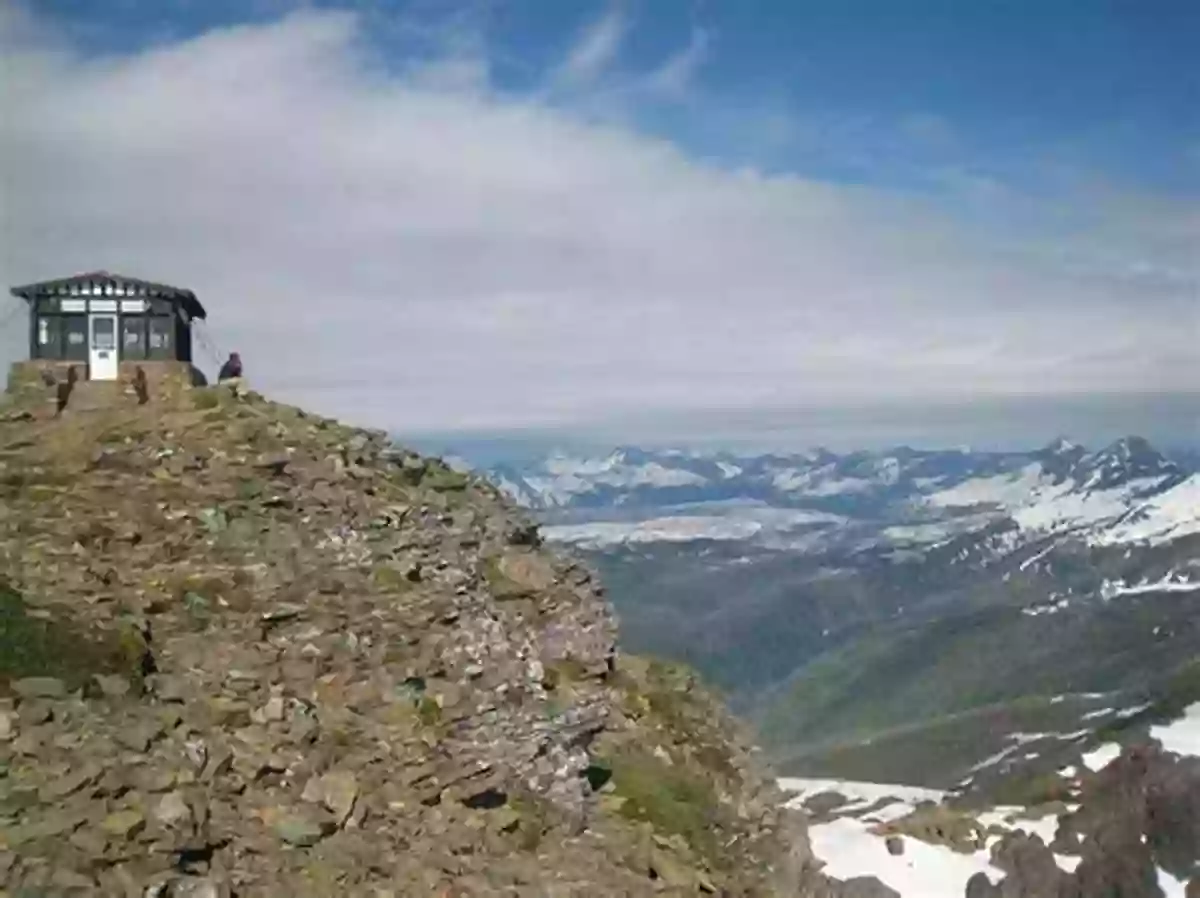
<point x="676" y="220"/>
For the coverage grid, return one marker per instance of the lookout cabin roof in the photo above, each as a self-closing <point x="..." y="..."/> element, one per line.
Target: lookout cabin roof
<point x="104" y="283"/>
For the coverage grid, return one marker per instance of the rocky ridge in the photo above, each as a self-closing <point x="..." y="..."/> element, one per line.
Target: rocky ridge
<point x="248" y="651"/>
<point x="1135" y="828"/>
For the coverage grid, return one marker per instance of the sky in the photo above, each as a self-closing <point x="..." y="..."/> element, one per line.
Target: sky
<point x="662" y="219"/>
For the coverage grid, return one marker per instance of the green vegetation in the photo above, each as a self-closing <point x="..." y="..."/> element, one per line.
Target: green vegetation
<point x="206" y="397"/>
<point x="673" y="773"/>
<point x="442" y="479"/>
<point x="1031" y="790"/>
<point x="502" y="586"/>
<point x="661" y="690"/>
<point x="391" y="578"/>
<point x="534" y="818"/>
<point x="937" y="752"/>
<point x="670" y="798"/>
<point x="1181" y="690"/>
<point x="562" y="673"/>
<point x="429" y="711"/>
<point x="32" y="645"/>
<point x="895" y="679"/>
<point x="1177" y="692"/>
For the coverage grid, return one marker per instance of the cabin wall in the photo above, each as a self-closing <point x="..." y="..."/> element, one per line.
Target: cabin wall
<point x="183" y="339"/>
<point x="150" y="330"/>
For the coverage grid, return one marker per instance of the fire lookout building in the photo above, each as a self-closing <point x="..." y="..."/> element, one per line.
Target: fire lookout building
<point x="100" y="320"/>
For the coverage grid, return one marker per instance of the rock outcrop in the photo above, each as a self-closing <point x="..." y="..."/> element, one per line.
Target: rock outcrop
<point x="249" y="651"/>
<point x="1138" y="816"/>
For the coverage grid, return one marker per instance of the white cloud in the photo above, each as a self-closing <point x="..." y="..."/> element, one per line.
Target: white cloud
<point x="400" y="251"/>
<point x="675" y="75"/>
<point x="597" y="47"/>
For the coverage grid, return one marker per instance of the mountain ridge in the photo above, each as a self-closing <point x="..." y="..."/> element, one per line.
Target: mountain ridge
<point x="249" y="651"/>
<point x="904" y="497"/>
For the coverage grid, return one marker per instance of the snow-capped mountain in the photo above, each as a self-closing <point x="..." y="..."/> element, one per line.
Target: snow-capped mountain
<point x="1067" y="490"/>
<point x="910" y="497"/>
<point x="634" y="477"/>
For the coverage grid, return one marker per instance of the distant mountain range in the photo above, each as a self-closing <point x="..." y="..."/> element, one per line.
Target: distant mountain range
<point x="1125" y="491"/>
<point x="893" y="615"/>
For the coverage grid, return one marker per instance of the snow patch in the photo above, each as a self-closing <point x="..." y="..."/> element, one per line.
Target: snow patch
<point x="1012" y="820"/>
<point x="856" y="791"/>
<point x="565" y="477"/>
<point x="1003" y="490"/>
<point x="1181" y="736"/>
<point x="740" y="521"/>
<point x="672" y="529"/>
<point x="849" y="848"/>
<point x="1053" y="605"/>
<point x="1111" y="589"/>
<point x="1063" y="507"/>
<point x="922" y="871"/>
<point x="1038" y="504"/>
<point x="813" y="483"/>
<point x="1101" y="757"/>
<point x="1171" y="887"/>
<point x="1167" y="516"/>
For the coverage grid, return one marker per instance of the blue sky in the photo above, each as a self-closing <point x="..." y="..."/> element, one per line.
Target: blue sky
<point x="875" y="91"/>
<point x="581" y="213"/>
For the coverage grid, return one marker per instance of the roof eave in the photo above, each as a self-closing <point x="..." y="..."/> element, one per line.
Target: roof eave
<point x="194" y="306"/>
<point x="186" y="298"/>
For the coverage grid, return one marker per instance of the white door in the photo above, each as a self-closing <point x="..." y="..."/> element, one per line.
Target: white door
<point x="102" y="358"/>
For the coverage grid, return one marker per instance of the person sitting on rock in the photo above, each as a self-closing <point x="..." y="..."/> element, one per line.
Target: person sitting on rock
<point x="232" y="369"/>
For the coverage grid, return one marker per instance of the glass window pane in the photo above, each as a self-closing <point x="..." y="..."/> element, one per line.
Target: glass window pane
<point x="160" y="333"/>
<point x="104" y="333"/>
<point x="75" y="328"/>
<point x="49" y="337"/>
<point x="133" y="336"/>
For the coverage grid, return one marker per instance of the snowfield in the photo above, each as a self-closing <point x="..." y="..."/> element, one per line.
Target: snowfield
<point x="1040" y="505"/>
<point x="1169" y="583"/>
<point x="1181" y="736"/>
<point x="1162" y="518"/>
<point x="1008" y="491"/>
<point x="1066" y="508"/>
<point x="922" y="871"/>
<point x="859" y="795"/>
<point x="735" y="522"/>
<point x="670" y="529"/>
<point x="849" y="848"/>
<point x="1101" y="757"/>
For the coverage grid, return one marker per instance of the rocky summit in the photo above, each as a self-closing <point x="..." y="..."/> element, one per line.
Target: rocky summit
<point x="248" y="651"/>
